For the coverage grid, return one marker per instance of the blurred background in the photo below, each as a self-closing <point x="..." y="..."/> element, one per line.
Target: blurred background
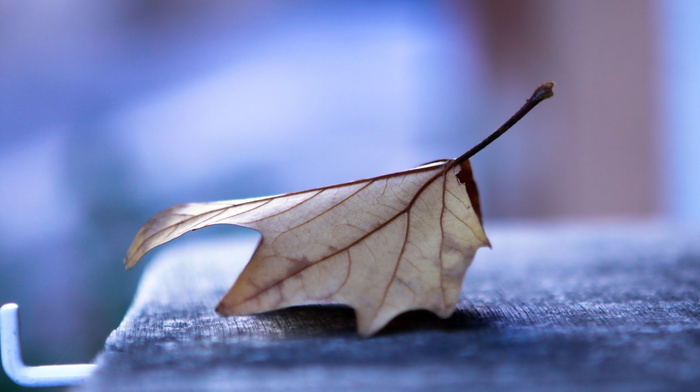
<point x="113" y="110"/>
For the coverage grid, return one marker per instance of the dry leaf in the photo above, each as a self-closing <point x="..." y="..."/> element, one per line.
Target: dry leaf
<point x="384" y="245"/>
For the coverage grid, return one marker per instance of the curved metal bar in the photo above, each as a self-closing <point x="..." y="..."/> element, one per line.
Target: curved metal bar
<point x="32" y="376"/>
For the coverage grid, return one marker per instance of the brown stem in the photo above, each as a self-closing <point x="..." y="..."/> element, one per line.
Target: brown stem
<point x="541" y="93"/>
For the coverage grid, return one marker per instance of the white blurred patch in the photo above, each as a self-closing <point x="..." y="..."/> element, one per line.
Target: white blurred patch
<point x="35" y="202"/>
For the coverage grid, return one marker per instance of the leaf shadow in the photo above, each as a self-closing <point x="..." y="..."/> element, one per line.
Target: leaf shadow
<point x="337" y="320"/>
<point x="423" y="320"/>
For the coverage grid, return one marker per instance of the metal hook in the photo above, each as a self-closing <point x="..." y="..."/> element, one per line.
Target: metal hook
<point x="32" y="376"/>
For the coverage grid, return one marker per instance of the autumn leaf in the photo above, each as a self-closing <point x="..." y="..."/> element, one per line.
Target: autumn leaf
<point x="383" y="246"/>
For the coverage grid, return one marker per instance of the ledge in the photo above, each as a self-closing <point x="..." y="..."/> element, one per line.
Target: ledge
<point x="551" y="307"/>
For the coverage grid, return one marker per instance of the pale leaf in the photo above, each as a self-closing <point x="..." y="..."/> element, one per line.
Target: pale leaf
<point x="383" y="246"/>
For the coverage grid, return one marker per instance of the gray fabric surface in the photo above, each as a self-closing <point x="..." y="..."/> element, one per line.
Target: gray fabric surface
<point x="551" y="307"/>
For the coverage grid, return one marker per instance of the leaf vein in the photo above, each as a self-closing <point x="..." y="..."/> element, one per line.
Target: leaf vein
<point x="330" y="208"/>
<point x="442" y="239"/>
<point x="286" y="210"/>
<point x="174" y="227"/>
<point x="406" y="210"/>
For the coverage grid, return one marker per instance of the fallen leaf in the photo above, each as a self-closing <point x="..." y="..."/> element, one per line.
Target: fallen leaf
<point x="383" y="246"/>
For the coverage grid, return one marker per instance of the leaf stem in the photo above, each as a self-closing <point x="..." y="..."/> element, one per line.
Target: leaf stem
<point x="541" y="93"/>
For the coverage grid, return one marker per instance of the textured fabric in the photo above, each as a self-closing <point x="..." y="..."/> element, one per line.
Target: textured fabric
<point x="550" y="307"/>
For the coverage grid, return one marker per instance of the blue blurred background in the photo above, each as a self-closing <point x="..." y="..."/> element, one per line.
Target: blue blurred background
<point x="113" y="110"/>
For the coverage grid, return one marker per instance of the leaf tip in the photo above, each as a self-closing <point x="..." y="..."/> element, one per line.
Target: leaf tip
<point x="129" y="264"/>
<point x="367" y="331"/>
<point x="224" y="310"/>
<point x="133" y="256"/>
